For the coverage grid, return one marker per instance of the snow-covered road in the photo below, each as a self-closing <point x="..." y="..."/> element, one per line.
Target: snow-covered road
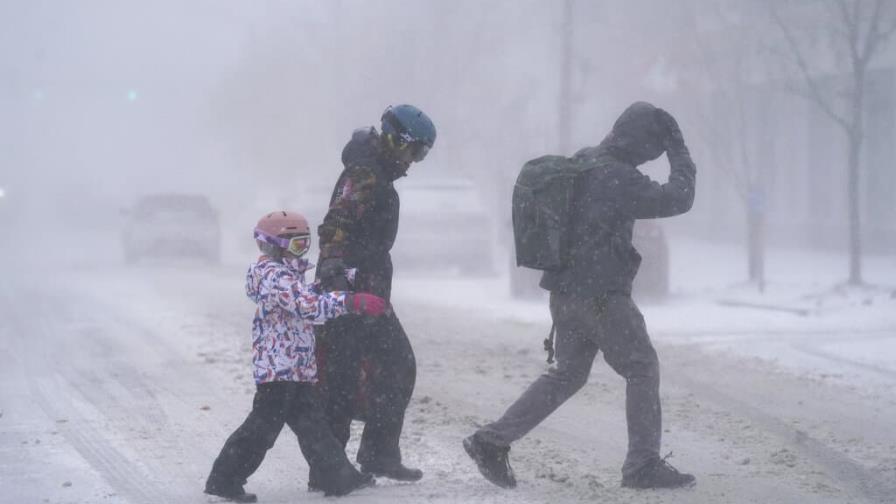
<point x="121" y="385"/>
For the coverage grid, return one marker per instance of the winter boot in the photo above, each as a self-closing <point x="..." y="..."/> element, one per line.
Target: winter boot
<point x="658" y="474"/>
<point x="395" y="471"/>
<point x="344" y="481"/>
<point x="233" y="493"/>
<point x="492" y="460"/>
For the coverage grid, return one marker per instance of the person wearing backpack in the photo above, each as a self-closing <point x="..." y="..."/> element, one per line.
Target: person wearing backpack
<point x="589" y="264"/>
<point x="357" y="234"/>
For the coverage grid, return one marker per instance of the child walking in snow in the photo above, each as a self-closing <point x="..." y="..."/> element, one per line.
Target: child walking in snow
<point x="285" y="369"/>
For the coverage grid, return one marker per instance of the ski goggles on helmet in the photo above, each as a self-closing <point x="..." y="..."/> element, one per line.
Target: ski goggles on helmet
<point x="392" y="125"/>
<point x="419" y="150"/>
<point x="296" y="245"/>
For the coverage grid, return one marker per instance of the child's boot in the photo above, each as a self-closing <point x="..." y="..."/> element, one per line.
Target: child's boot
<point x="230" y="492"/>
<point x="345" y="480"/>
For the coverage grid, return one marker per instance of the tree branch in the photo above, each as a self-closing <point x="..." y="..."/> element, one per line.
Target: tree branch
<point x="851" y="21"/>
<point x="871" y="39"/>
<point x="832" y="13"/>
<point x="877" y="36"/>
<point x="815" y="93"/>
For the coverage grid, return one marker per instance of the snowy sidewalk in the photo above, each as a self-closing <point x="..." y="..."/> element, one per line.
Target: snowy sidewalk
<point x="806" y="321"/>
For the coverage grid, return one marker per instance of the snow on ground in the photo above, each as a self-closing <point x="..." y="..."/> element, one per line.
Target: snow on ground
<point x="121" y="384"/>
<point x="805" y="301"/>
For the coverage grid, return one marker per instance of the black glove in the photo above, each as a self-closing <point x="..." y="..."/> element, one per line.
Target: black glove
<point x="672" y="137"/>
<point x="331" y="274"/>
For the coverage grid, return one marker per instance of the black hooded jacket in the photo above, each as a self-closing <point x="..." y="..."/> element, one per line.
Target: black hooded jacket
<point x="362" y="221"/>
<point x="613" y="195"/>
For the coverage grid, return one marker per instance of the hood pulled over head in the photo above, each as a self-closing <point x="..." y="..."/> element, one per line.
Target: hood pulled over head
<point x="637" y="135"/>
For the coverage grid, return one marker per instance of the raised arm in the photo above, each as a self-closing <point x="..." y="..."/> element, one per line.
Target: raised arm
<point x="643" y="198"/>
<point x="280" y="288"/>
<point x="277" y="288"/>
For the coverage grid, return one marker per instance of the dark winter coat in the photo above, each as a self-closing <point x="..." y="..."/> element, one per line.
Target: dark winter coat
<point x="362" y="221"/>
<point x="615" y="193"/>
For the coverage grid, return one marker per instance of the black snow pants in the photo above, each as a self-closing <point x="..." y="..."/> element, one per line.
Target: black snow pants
<point x="297" y="405"/>
<point x="614" y="325"/>
<point x="346" y="341"/>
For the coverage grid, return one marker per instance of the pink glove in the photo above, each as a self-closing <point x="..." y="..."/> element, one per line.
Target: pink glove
<point x="363" y="303"/>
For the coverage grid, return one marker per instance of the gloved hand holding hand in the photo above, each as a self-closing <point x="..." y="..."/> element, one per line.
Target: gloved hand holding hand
<point x="331" y="274"/>
<point x="673" y="137"/>
<point x="363" y="303"/>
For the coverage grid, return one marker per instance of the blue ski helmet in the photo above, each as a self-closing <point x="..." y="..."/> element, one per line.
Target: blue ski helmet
<point x="409" y="124"/>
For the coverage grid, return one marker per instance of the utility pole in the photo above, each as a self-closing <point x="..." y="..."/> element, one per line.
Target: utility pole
<point x="564" y="119"/>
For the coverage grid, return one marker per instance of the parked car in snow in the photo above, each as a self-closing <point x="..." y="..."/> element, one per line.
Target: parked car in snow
<point x="444" y="226"/>
<point x="171" y="225"/>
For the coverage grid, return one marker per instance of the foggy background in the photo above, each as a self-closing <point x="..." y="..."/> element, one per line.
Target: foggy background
<point x="250" y="103"/>
<point x="772" y="303"/>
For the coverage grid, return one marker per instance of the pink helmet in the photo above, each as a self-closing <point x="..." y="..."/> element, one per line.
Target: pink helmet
<point x="280" y="231"/>
<point x="283" y="223"/>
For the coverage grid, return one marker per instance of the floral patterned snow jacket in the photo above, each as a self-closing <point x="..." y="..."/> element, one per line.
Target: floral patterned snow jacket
<point x="282" y="331"/>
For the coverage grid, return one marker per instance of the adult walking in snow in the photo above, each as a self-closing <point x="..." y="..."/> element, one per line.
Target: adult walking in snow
<point x="591" y="303"/>
<point x="357" y="233"/>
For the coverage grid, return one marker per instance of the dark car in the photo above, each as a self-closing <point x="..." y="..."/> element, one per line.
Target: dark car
<point x="172" y="225"/>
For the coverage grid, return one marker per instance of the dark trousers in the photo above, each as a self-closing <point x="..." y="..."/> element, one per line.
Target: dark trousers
<point x="614" y="325"/>
<point x="346" y="341"/>
<point x="292" y="403"/>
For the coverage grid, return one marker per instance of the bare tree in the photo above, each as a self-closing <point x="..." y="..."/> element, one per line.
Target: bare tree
<point x="859" y="30"/>
<point x="725" y="60"/>
<point x="564" y="128"/>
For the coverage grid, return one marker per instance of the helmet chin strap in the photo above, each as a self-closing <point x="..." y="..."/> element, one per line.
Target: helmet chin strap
<point x="397" y="167"/>
<point x="401" y="170"/>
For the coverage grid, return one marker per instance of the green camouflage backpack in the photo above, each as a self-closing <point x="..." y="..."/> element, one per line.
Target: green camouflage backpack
<point x="543" y="198"/>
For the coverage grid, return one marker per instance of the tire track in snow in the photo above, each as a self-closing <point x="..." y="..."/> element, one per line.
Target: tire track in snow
<point x="155" y="417"/>
<point x="813" y="334"/>
<point x="118" y="470"/>
<point x="813" y="350"/>
<point x="846" y="471"/>
<point x="55" y="394"/>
